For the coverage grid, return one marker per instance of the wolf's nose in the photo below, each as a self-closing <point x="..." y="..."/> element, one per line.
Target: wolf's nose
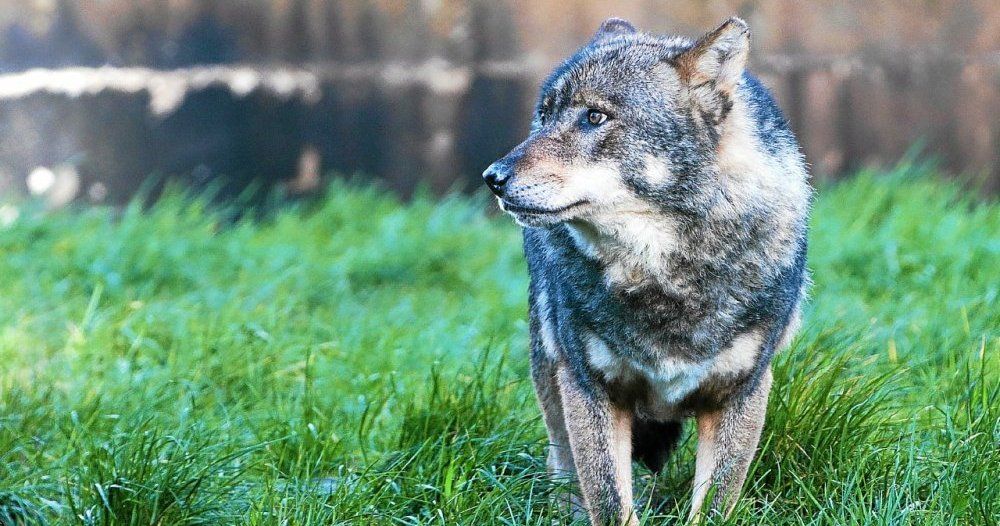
<point x="496" y="178"/>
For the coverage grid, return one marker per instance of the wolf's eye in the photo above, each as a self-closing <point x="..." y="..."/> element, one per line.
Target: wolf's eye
<point x="596" y="118"/>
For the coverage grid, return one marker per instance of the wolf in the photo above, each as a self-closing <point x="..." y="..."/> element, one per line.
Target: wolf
<point x="664" y="204"/>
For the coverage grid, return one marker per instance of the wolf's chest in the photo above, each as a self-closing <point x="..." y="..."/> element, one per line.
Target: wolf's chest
<point x="656" y="387"/>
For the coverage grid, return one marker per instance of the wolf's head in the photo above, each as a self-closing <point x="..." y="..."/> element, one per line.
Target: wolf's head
<point x="629" y="125"/>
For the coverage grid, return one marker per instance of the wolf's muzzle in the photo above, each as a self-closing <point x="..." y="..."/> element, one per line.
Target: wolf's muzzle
<point x="496" y="177"/>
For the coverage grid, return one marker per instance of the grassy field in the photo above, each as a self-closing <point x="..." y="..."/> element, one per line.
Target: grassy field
<point x="361" y="361"/>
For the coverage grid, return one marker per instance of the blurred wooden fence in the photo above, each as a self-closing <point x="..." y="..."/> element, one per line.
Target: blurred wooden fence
<point x="431" y="91"/>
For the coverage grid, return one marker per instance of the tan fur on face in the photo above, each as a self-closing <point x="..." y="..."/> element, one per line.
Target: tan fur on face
<point x="599" y="184"/>
<point x="548" y="185"/>
<point x="615" y="226"/>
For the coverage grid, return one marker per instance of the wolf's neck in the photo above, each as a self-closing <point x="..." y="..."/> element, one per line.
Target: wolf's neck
<point x="632" y="249"/>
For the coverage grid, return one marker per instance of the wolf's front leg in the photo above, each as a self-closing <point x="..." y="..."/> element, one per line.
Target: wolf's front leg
<point x="544" y="376"/>
<point x="600" y="436"/>
<point x="727" y="441"/>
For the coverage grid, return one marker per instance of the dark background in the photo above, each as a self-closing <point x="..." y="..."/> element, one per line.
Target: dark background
<point x="96" y="96"/>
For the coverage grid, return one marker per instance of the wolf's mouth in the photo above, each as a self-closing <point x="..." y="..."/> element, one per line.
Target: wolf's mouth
<point x="524" y="210"/>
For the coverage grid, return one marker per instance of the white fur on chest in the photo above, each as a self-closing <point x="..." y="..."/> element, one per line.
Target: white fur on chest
<point x="671" y="379"/>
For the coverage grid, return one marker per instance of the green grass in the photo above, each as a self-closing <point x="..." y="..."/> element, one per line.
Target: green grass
<point x="362" y="361"/>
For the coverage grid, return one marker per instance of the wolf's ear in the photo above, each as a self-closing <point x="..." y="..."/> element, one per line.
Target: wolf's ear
<point x="612" y="27"/>
<point x="718" y="58"/>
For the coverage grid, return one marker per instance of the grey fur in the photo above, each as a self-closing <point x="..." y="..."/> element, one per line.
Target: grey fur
<point x="664" y="203"/>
